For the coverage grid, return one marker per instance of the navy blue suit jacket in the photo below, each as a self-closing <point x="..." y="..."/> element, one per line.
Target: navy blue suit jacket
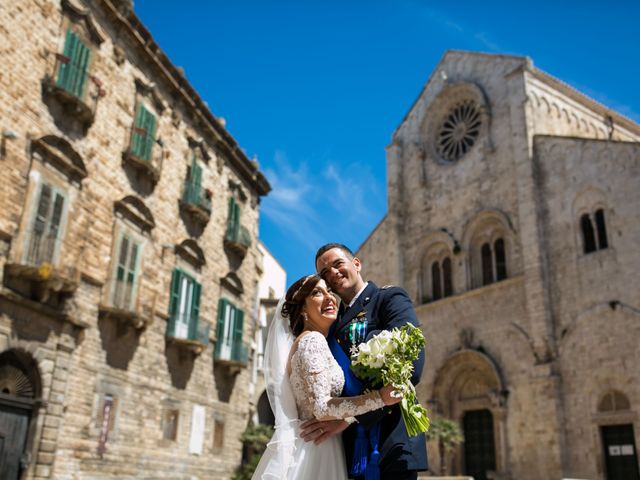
<point x="385" y="308"/>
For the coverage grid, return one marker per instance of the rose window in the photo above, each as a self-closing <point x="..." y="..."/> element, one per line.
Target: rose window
<point x="459" y="131"/>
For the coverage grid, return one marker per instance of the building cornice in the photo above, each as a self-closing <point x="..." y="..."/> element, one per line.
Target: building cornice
<point x="221" y="138"/>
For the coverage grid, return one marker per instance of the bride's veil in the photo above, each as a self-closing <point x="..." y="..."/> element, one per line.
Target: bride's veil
<point x="281" y="448"/>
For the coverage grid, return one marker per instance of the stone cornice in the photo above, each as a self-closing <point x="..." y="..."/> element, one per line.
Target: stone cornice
<point x="203" y="117"/>
<point x="580" y="97"/>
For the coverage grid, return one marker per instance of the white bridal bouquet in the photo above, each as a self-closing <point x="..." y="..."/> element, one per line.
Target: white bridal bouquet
<point x="386" y="359"/>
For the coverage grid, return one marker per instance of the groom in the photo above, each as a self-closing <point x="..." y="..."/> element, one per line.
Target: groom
<point x="364" y="312"/>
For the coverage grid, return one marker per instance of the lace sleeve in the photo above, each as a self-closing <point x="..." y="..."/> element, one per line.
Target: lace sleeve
<point x="315" y="362"/>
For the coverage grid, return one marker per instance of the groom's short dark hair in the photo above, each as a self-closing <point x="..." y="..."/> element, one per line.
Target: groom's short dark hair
<point x="329" y="246"/>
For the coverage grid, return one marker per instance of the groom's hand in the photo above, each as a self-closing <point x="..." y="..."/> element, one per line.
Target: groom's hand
<point x="317" y="431"/>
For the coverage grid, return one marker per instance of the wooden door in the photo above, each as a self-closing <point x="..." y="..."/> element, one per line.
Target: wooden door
<point x="621" y="457"/>
<point x="14" y="424"/>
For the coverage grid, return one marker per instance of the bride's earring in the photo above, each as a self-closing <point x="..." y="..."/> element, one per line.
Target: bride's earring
<point x="304" y="317"/>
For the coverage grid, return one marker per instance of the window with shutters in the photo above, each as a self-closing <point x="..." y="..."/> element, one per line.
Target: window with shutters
<point x="45" y="234"/>
<point x="70" y="84"/>
<point x="184" y="325"/>
<point x="143" y="135"/>
<point x="230" y="347"/>
<point x="488" y="240"/>
<point x="73" y="70"/>
<point x="127" y="268"/>
<point x="237" y="237"/>
<point x="170" y="418"/>
<point x="196" y="200"/>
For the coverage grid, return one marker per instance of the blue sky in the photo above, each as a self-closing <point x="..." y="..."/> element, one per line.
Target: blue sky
<point x="315" y="89"/>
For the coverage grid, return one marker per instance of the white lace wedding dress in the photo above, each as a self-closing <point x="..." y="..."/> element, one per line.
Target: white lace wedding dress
<point x="316" y="381"/>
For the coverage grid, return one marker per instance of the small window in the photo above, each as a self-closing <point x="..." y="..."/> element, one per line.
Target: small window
<point x="106" y="417"/>
<point x="602" y="230"/>
<point x="229" y="332"/>
<point x="73" y="69"/>
<point x="126" y="276"/>
<point x="169" y="425"/>
<point x="487" y="264"/>
<point x="144" y="131"/>
<point x="45" y="235"/>
<point x="501" y="259"/>
<point x="446" y="277"/>
<point x="184" y="306"/>
<point x="593" y="239"/>
<point x="436" y="287"/>
<point x="588" y="237"/>
<point x="614" y="401"/>
<point x="218" y="434"/>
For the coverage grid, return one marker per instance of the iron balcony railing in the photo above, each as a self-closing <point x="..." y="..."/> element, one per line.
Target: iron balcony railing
<point x="239" y="235"/>
<point x="195" y="195"/>
<point x="232" y="350"/>
<point x="187" y="327"/>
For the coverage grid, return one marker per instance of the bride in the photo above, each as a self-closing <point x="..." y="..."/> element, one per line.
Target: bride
<point x="303" y="382"/>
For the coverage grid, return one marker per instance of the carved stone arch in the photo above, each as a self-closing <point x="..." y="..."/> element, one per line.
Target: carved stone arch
<point x="231" y="281"/>
<point x="589" y="199"/>
<point x="547" y="106"/>
<point x="437" y="246"/>
<point x="20" y="375"/>
<point x="489" y="216"/>
<point x="437" y="113"/>
<point x="191" y="252"/>
<point x="134" y="209"/>
<point x="613" y="401"/>
<point x="60" y="154"/>
<point x="150" y="90"/>
<point x="200" y="147"/>
<point x="471" y="381"/>
<point x="534" y="98"/>
<point x="487" y="227"/>
<point x="78" y="13"/>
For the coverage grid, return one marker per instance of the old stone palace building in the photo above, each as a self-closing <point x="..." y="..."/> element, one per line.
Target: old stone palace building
<point x="128" y="257"/>
<point x="514" y="222"/>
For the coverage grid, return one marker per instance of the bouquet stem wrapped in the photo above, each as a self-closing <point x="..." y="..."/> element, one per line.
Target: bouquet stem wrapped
<point x="387" y="359"/>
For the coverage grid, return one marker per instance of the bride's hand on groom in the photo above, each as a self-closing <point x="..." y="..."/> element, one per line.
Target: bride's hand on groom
<point x="387" y="395"/>
<point x="317" y="431"/>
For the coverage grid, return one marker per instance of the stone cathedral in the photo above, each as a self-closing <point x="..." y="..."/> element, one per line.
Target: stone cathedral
<point x="514" y="223"/>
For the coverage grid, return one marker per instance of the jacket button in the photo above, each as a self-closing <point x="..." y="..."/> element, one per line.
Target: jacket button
<point x="338" y="340"/>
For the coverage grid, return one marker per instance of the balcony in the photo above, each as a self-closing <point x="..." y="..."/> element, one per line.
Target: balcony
<point x="232" y="353"/>
<point x="73" y="90"/>
<point x="36" y="276"/>
<point x="147" y="161"/>
<point x="196" y="202"/>
<point x="237" y="239"/>
<point x="188" y="333"/>
<point x="123" y="308"/>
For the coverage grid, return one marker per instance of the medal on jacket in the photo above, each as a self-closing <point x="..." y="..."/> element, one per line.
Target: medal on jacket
<point x="358" y="328"/>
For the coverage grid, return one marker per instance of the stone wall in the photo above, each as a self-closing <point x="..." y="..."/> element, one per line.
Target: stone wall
<point x="81" y="353"/>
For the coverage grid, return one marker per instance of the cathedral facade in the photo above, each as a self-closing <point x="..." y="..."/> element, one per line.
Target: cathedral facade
<point x="129" y="261"/>
<point x="513" y="222"/>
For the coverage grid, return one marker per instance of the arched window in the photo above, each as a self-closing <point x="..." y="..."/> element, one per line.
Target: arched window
<point x="435" y="279"/>
<point x="593" y="239"/>
<point x="494" y="262"/>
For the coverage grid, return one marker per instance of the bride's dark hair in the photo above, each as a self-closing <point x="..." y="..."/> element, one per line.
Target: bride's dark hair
<point x="294" y="302"/>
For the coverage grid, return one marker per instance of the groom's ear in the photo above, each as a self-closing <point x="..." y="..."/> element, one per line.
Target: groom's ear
<point x="357" y="263"/>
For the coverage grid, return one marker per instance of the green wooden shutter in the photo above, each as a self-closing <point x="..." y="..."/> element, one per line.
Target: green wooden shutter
<point x="79" y="65"/>
<point x="174" y="295"/>
<point x="150" y="127"/>
<point x="238" y="326"/>
<point x="196" y="175"/>
<point x="237" y="335"/>
<point x="195" y="310"/>
<point x="42" y="213"/>
<point x="222" y="307"/>
<point x="233" y="222"/>
<point x="137" y="139"/>
<point x="122" y="259"/>
<point x="64" y="74"/>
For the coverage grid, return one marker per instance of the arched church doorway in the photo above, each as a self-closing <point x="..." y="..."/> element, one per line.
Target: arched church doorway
<point x="265" y="415"/>
<point x="479" y="443"/>
<point x="19" y="389"/>
<point x="470" y="390"/>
